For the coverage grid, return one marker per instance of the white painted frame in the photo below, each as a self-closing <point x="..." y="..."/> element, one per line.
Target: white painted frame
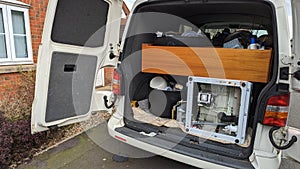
<point x="6" y="30"/>
<point x="10" y="45"/>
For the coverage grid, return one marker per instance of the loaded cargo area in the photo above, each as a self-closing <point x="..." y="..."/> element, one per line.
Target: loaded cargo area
<point x="196" y="69"/>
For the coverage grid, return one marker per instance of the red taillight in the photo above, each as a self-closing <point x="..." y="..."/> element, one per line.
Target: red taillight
<point x="277" y="110"/>
<point x="282" y="100"/>
<point x="116" y="83"/>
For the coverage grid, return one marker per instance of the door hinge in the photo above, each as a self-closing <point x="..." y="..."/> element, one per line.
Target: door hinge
<point x="114" y="50"/>
<point x="286" y="59"/>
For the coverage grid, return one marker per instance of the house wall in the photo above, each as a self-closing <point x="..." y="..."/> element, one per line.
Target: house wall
<point x="9" y="75"/>
<point x="7" y="83"/>
<point x="37" y="14"/>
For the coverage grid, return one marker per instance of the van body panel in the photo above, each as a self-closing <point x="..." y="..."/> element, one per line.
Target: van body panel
<point x="293" y="122"/>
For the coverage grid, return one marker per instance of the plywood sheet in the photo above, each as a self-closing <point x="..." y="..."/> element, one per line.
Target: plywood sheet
<point x="237" y="64"/>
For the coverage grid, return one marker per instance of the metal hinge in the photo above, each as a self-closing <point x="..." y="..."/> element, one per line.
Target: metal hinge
<point x="286" y="59"/>
<point x="114" y="50"/>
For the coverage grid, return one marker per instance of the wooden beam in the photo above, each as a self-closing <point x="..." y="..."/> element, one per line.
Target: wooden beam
<point x="236" y="64"/>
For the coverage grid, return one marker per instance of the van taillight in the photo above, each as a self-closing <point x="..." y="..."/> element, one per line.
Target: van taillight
<point x="277" y="110"/>
<point x="116" y="83"/>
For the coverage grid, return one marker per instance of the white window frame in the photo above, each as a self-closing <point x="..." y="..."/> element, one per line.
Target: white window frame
<point x="9" y="36"/>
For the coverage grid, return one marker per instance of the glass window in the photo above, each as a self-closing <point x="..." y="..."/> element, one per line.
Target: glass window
<point x="18" y="22"/>
<point x="3" y="53"/>
<point x="19" y="34"/>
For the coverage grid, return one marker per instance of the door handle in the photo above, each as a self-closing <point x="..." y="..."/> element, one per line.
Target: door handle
<point x="70" y="68"/>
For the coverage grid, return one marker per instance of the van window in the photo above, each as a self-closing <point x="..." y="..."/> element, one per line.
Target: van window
<point x="76" y="26"/>
<point x="214" y="33"/>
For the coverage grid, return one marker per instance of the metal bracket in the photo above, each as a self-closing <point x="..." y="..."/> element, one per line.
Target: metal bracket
<point x="286" y="60"/>
<point x="114" y="51"/>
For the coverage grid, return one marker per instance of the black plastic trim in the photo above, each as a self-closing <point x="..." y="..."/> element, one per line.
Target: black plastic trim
<point x="284" y="73"/>
<point x="281" y="87"/>
<point x="176" y="136"/>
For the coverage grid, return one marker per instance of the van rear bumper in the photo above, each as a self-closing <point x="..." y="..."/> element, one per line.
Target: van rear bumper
<point x="177" y="152"/>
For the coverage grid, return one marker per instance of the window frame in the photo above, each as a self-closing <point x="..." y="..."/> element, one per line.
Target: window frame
<point x="6" y="33"/>
<point x="9" y="36"/>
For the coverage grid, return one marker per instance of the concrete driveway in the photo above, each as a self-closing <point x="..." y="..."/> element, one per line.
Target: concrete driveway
<point x="92" y="149"/>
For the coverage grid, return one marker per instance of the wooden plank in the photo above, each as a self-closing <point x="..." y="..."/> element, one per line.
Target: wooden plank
<point x="236" y="64"/>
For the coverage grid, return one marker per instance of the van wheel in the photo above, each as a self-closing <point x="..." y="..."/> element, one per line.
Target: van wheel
<point x="119" y="158"/>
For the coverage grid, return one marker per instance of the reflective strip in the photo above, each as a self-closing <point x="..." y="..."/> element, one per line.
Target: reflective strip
<point x="120" y="138"/>
<point x="116" y="81"/>
<point x="277" y="108"/>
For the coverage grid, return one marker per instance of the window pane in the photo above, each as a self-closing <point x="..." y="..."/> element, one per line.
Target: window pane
<point x="20" y="46"/>
<point x="3" y="53"/>
<point x="18" y="22"/>
<point x="76" y="21"/>
<point x="1" y="22"/>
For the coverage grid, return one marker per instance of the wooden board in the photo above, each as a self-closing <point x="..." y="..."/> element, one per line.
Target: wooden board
<point x="236" y="64"/>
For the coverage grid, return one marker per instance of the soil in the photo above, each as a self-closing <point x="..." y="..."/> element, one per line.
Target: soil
<point x="60" y="135"/>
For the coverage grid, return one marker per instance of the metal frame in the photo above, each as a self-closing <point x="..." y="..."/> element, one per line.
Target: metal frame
<point x="245" y="87"/>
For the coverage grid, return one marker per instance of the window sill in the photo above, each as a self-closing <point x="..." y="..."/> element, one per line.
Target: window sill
<point x="17" y="68"/>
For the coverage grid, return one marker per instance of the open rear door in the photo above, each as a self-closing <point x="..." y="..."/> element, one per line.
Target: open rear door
<point x="294" y="114"/>
<point x="79" y="37"/>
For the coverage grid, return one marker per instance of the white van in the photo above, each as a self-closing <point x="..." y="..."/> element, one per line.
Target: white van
<point x="209" y="83"/>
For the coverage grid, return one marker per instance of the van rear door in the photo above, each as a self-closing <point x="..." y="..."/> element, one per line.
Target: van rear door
<point x="79" y="37"/>
<point x="294" y="114"/>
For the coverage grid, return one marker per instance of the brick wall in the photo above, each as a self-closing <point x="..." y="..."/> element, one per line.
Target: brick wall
<point x="8" y="82"/>
<point x="108" y="74"/>
<point x="37" y="14"/>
